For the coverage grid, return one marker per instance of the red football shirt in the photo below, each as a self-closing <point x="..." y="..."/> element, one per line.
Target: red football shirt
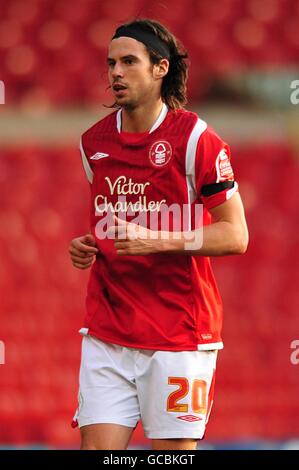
<point x="159" y="301"/>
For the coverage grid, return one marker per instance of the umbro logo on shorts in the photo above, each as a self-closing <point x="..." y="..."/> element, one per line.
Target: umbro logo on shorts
<point x="99" y="155"/>
<point x="189" y="418"/>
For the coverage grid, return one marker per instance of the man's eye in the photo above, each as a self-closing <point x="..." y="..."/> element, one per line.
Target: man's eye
<point x="129" y="61"/>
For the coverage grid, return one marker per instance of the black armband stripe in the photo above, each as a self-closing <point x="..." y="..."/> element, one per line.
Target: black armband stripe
<point x="214" y="188"/>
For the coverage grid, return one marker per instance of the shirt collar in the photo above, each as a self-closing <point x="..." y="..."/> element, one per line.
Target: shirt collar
<point x="156" y="124"/>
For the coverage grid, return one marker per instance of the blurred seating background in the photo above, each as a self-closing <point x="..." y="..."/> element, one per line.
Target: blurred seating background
<point x="244" y="55"/>
<point x="54" y="52"/>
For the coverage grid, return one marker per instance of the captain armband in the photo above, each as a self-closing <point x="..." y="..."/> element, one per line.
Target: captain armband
<point x="214" y="188"/>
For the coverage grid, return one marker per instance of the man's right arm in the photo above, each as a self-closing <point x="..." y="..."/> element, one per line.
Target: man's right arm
<point x="84" y="249"/>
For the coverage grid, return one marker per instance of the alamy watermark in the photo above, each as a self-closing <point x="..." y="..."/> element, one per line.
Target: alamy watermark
<point x="295" y="94"/>
<point x="294" y="357"/>
<point x="2" y="352"/>
<point x="154" y="220"/>
<point x="2" y="92"/>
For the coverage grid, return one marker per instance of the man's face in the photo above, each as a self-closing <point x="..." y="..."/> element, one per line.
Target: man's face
<point x="131" y="74"/>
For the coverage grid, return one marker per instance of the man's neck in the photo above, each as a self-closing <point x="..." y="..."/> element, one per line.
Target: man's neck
<point x="142" y="118"/>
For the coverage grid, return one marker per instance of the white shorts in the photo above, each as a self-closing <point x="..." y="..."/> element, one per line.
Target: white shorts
<point x="171" y="392"/>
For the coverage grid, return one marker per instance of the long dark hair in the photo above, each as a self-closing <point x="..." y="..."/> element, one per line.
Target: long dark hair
<point x="174" y="89"/>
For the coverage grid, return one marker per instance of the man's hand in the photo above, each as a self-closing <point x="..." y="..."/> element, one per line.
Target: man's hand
<point x="133" y="239"/>
<point x="82" y="251"/>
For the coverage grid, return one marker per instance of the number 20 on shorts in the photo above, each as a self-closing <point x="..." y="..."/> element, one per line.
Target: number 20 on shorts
<point x="198" y="395"/>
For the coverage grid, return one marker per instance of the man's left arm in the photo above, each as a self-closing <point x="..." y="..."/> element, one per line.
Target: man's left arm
<point x="226" y="235"/>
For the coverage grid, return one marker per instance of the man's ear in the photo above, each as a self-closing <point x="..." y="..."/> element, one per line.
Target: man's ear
<point x="161" y="69"/>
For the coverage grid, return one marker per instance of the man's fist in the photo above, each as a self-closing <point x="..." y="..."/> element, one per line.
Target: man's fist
<point x="82" y="251"/>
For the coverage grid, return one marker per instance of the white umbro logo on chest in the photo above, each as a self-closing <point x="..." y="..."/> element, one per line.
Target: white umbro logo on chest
<point x="99" y="155"/>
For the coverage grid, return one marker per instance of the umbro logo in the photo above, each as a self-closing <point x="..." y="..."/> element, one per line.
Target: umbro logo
<point x="99" y="155"/>
<point x="189" y="418"/>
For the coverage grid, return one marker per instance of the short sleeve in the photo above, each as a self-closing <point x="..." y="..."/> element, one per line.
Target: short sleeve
<point x="214" y="176"/>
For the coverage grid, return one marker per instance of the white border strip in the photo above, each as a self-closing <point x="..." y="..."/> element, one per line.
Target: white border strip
<point x="88" y="170"/>
<point x="198" y="129"/>
<point x="232" y="191"/>
<point x="118" y="120"/>
<point x="210" y="346"/>
<point x="83" y="331"/>
<point x="160" y="119"/>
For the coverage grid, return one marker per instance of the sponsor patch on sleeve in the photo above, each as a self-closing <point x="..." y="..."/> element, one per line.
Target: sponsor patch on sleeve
<point x="223" y="167"/>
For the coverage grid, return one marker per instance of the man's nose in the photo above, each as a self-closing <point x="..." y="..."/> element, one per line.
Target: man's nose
<point x="117" y="71"/>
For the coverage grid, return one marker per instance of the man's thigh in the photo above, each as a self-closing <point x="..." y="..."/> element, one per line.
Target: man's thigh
<point x="175" y="392"/>
<point x="107" y="394"/>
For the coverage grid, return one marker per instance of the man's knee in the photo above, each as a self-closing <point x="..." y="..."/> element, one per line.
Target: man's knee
<point x="87" y="446"/>
<point x="174" y="444"/>
<point x="105" y="437"/>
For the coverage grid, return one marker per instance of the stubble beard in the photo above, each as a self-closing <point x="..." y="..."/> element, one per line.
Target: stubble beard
<point x="128" y="105"/>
